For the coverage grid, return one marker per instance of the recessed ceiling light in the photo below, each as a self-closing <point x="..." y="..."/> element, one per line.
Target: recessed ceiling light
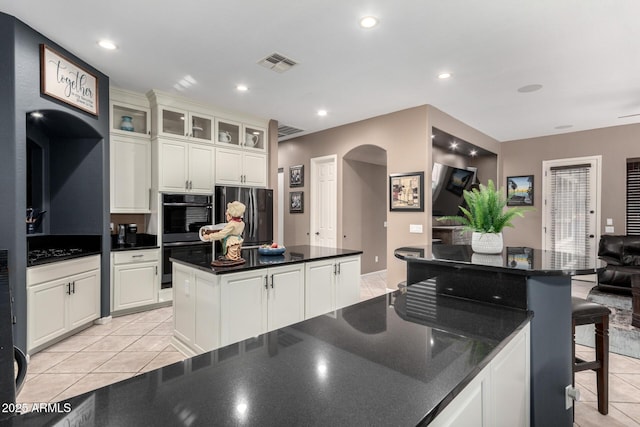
<point x="107" y="44"/>
<point x="368" y="22"/>
<point x="242" y="88"/>
<point x="37" y="115"/>
<point x="322" y="113"/>
<point x="443" y="76"/>
<point x="453" y="145"/>
<point x="473" y="153"/>
<point x="529" y="88"/>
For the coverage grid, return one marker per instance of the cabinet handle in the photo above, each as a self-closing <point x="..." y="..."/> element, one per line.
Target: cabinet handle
<point x="137" y="256"/>
<point x="339" y="268"/>
<point x="190" y="185"/>
<point x="73" y="284"/>
<point x="156" y="270"/>
<point x="272" y="281"/>
<point x="186" y="185"/>
<point x="335" y="269"/>
<point x="266" y="282"/>
<point x="68" y="288"/>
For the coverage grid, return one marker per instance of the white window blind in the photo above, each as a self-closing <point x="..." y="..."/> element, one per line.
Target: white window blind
<point x="570" y="205"/>
<point x="633" y="197"/>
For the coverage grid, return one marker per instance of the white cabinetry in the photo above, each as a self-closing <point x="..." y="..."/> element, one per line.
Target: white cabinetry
<point x="61" y="297"/>
<point x="174" y="122"/>
<point x="135" y="278"/>
<point x="499" y="395"/>
<point x="259" y="301"/>
<point x="130" y="153"/>
<point x="184" y="167"/>
<point x="238" y="167"/>
<point x="240" y="135"/>
<point x="331" y="284"/>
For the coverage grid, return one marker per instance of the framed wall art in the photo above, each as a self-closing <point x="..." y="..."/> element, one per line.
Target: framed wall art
<point x="65" y="81"/>
<point x="296" y="202"/>
<point x="406" y="192"/>
<point x="296" y="176"/>
<point x="520" y="190"/>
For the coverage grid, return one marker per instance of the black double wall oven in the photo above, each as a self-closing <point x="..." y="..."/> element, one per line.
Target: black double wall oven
<point x="182" y="217"/>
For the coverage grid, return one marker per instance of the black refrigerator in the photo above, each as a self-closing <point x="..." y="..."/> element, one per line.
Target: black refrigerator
<point x="258" y="217"/>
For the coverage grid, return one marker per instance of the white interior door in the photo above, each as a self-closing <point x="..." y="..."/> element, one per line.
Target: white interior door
<point x="571" y="207"/>
<point x="323" y="201"/>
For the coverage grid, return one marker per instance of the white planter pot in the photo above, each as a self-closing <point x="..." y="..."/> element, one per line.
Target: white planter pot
<point x="487" y="259"/>
<point x="487" y="243"/>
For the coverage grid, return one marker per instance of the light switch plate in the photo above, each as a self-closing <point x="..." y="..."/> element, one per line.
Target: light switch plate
<point x="609" y="221"/>
<point x="415" y="228"/>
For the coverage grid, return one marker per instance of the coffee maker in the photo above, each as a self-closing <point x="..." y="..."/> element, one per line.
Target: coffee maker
<point x="130" y="235"/>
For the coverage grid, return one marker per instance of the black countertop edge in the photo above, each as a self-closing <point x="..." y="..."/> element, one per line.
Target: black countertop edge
<point x="143" y="241"/>
<point x="474" y="373"/>
<point x="254" y="260"/>
<point x="462" y="257"/>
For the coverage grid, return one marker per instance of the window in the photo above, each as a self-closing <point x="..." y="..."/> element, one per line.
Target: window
<point x="633" y="197"/>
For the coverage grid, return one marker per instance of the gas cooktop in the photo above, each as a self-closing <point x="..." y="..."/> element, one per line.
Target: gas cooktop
<point x="41" y="256"/>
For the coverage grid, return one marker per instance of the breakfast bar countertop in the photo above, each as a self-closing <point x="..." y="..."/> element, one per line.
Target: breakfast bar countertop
<point x="254" y="260"/>
<point x="383" y="361"/>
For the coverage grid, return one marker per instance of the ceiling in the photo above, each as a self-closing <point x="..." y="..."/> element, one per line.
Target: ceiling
<point x="584" y="53"/>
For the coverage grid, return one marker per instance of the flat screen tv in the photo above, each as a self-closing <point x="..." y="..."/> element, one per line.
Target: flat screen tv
<point x="448" y="183"/>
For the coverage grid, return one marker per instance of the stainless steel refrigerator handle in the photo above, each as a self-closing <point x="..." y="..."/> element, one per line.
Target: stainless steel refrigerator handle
<point x="192" y="243"/>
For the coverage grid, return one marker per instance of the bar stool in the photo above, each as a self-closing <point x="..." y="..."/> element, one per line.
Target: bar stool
<point x="584" y="312"/>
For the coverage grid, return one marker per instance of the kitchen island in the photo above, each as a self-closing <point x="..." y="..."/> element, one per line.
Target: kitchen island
<point x="385" y="361"/>
<point x="217" y="306"/>
<point x="523" y="278"/>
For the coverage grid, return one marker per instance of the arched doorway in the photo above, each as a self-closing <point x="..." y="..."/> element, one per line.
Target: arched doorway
<point x="364" y="205"/>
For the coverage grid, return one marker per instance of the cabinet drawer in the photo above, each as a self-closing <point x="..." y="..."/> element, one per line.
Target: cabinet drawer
<point x="56" y="270"/>
<point x="143" y="255"/>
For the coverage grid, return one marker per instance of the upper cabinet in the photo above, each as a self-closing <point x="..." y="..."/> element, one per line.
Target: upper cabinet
<point x="176" y="123"/>
<point x="240" y="135"/>
<point x="130" y="152"/>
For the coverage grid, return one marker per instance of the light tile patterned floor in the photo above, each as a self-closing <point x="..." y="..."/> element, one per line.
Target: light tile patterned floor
<point x="137" y="343"/>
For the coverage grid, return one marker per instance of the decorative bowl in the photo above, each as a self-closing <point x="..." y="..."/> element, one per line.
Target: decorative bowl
<point x="272" y="251"/>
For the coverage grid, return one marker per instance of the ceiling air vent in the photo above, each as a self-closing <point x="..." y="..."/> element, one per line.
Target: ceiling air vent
<point x="277" y="62"/>
<point x="287" y="130"/>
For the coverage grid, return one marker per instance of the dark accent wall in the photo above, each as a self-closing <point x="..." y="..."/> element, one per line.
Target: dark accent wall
<point x="20" y="94"/>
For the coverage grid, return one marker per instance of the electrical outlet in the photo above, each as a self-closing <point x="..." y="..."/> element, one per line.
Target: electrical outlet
<point x="415" y="228"/>
<point x="608" y="229"/>
<point x="609" y="221"/>
<point x="376" y="258"/>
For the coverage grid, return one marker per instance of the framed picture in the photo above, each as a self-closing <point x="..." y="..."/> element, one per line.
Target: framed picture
<point x="296" y="202"/>
<point x="296" y="176"/>
<point x="520" y="190"/>
<point x="67" y="82"/>
<point x="406" y="192"/>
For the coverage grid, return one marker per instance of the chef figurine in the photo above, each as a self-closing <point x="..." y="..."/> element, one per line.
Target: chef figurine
<point x="231" y="234"/>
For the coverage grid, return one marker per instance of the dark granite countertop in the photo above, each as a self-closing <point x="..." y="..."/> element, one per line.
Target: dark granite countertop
<point x="293" y="255"/>
<point x="143" y="241"/>
<point x="516" y="260"/>
<point x="49" y="248"/>
<point x="380" y="362"/>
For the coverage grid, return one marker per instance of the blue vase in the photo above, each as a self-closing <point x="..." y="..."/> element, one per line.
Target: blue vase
<point x="126" y="124"/>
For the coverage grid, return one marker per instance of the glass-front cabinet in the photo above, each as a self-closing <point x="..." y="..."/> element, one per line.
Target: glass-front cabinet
<point x="130" y="120"/>
<point x="240" y="135"/>
<point x="181" y="123"/>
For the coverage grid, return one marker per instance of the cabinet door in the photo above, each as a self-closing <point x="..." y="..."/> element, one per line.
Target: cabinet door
<point x="172" y="122"/>
<point x="130" y="175"/>
<point x="207" y="312"/>
<point x="254" y="138"/>
<point x="127" y="119"/>
<point x="201" y="127"/>
<point x="84" y="301"/>
<point x="228" y="166"/>
<point x="347" y="281"/>
<point x="254" y="168"/>
<point x="201" y="177"/>
<point x="46" y="312"/>
<point x="173" y="166"/>
<point x="243" y="306"/>
<point x="135" y="285"/>
<point x="320" y="279"/>
<point x="286" y="296"/>
<point x="184" y="304"/>
<point x="228" y="133"/>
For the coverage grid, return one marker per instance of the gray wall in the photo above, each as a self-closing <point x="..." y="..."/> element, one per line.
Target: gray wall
<point x="20" y="94"/>
<point x="524" y="157"/>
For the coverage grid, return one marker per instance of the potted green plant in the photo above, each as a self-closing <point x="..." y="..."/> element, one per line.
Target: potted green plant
<point x="485" y="215"/>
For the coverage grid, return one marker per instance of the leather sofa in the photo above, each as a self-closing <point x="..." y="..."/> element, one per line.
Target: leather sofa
<point x="622" y="255"/>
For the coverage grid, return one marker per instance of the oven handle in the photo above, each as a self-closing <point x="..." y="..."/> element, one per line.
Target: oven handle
<point x="195" y="205"/>
<point x="192" y="243"/>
